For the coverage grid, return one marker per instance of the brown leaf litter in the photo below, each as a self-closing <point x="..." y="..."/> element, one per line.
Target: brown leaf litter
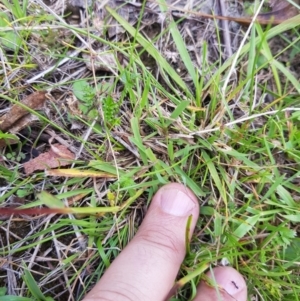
<point x="57" y="156"/>
<point x="18" y="117"/>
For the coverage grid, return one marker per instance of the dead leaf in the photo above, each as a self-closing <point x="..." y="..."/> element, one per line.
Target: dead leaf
<point x="50" y="159"/>
<point x="80" y="3"/>
<point x="59" y="140"/>
<point x="278" y="4"/>
<point x="73" y="105"/>
<point x="34" y="101"/>
<point x="62" y="154"/>
<point x="8" y="140"/>
<point x="22" y="123"/>
<point x="101" y="60"/>
<point x="109" y="25"/>
<point x="281" y="11"/>
<point x="76" y="173"/>
<point x="75" y="199"/>
<point x="19" y="117"/>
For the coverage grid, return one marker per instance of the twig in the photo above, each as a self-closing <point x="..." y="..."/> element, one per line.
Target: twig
<point x="57" y="249"/>
<point x="199" y="133"/>
<point x="51" y="68"/>
<point x="240" y="49"/>
<point x="3" y="60"/>
<point x="36" y="249"/>
<point x="79" y="236"/>
<point x="33" y="28"/>
<point x="85" y="45"/>
<point x="126" y="145"/>
<point x="225" y="27"/>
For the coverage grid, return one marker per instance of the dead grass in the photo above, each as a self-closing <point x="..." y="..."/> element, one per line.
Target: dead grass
<point x="163" y="101"/>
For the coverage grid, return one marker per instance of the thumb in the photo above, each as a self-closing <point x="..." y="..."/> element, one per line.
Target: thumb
<point x="147" y="267"/>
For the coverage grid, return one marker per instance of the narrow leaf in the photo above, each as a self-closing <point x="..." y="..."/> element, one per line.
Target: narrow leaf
<point x="32" y="286"/>
<point x="49" y="200"/>
<point x="149" y="47"/>
<point x="76" y="173"/>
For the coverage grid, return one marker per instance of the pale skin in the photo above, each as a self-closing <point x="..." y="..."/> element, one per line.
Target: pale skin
<point x="147" y="268"/>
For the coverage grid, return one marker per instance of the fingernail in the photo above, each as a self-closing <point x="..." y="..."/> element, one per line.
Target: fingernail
<point x="175" y="202"/>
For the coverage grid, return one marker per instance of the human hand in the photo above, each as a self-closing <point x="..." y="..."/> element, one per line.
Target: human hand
<point x="146" y="269"/>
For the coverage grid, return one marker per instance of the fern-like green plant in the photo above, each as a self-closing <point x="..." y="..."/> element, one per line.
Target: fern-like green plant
<point x="110" y="111"/>
<point x="87" y="96"/>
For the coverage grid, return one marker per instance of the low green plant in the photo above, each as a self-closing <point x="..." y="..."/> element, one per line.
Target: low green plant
<point x="25" y="190"/>
<point x="17" y="8"/>
<point x="14" y="156"/>
<point x="8" y="39"/>
<point x="15" y="13"/>
<point x="251" y="7"/>
<point x="88" y="97"/>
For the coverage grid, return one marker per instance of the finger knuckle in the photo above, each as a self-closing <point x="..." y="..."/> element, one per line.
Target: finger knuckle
<point x="161" y="238"/>
<point x="118" y="295"/>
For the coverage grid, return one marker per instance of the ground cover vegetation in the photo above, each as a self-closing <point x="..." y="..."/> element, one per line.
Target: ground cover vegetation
<point x="103" y="102"/>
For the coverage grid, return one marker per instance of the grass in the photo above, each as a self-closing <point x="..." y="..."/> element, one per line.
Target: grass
<point x="227" y="129"/>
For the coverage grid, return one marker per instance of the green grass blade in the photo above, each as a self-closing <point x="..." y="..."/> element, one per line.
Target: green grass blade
<point x="50" y="200"/>
<point x="181" y="47"/>
<point x="149" y="47"/>
<point x="246" y="226"/>
<point x="284" y="26"/>
<point x="178" y="111"/>
<point x="15" y="298"/>
<point x="32" y="286"/>
<point x="137" y="139"/>
<point x="214" y="174"/>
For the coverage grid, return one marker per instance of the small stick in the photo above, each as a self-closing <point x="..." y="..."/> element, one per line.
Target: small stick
<point x="225" y="27"/>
